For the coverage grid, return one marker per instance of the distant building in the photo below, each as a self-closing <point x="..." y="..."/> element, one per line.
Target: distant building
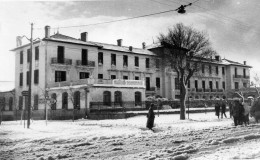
<point x="85" y="75"/>
<point x="7" y="105"/>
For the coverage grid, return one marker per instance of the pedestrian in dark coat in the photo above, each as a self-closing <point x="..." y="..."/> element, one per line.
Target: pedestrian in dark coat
<point x="237" y="112"/>
<point x="223" y="109"/>
<point x="217" y="109"/>
<point x="150" y="117"/>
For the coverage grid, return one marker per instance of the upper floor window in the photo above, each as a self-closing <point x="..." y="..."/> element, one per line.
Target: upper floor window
<point x="203" y="68"/>
<point x="37" y="53"/>
<point x="3" y="103"/>
<point x="76" y="98"/>
<point x="235" y="72"/>
<point x="157" y="63"/>
<point x="147" y="63"/>
<point x="125" y="60"/>
<point x="223" y="85"/>
<point x="36" y="76"/>
<point x="236" y="85"/>
<point x="10" y="103"/>
<point x="83" y="75"/>
<point x="158" y="83"/>
<point x="223" y="70"/>
<point x="36" y="98"/>
<point x="100" y="57"/>
<point x="54" y="97"/>
<point x="217" y="70"/>
<point x="210" y="71"/>
<point x="84" y="57"/>
<point x="136" y="78"/>
<point x="113" y="76"/>
<point x="125" y="77"/>
<point x="113" y="59"/>
<point x="28" y="55"/>
<point x="27" y="77"/>
<point x="60" y="54"/>
<point x="245" y="85"/>
<point x="244" y="73"/>
<point x="196" y="85"/>
<point x="100" y="76"/>
<point x="60" y="76"/>
<point x="21" y="79"/>
<point x="137" y="61"/>
<point x="21" y="57"/>
<point x="216" y="84"/>
<point x="107" y="98"/>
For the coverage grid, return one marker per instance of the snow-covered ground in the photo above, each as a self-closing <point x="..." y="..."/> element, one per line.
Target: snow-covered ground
<point x="203" y="136"/>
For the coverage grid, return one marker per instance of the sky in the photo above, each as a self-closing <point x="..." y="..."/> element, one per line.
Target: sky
<point x="232" y="25"/>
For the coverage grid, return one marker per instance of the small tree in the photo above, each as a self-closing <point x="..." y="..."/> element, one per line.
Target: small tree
<point x="185" y="49"/>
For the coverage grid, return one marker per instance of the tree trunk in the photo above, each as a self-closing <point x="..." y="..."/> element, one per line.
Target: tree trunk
<point x="183" y="93"/>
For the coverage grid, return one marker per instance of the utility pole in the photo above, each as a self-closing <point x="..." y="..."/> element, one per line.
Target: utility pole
<point x="30" y="79"/>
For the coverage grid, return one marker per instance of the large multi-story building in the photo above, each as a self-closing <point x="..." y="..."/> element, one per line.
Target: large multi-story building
<point x="81" y="74"/>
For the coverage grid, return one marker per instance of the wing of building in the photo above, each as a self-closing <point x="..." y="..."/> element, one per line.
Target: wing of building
<point x="70" y="73"/>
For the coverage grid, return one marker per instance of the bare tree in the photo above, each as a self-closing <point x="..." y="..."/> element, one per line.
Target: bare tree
<point x="185" y="49"/>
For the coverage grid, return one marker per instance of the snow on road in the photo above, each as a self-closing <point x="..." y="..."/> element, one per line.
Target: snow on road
<point x="203" y="136"/>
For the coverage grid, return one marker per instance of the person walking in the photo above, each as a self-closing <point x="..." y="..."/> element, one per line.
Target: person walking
<point x="223" y="108"/>
<point x="217" y="109"/>
<point x="150" y="118"/>
<point x="237" y="112"/>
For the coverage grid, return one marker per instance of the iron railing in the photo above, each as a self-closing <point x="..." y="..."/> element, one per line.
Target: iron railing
<point x="64" y="61"/>
<point x="87" y="63"/>
<point x="116" y="106"/>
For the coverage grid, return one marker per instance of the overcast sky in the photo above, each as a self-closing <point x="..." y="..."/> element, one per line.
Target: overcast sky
<point x="232" y="25"/>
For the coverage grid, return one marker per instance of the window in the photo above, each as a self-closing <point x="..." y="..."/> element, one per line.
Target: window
<point x="136" y="78"/>
<point x="235" y="72"/>
<point x="83" y="75"/>
<point x="138" y="99"/>
<point x="100" y="76"/>
<point x="147" y="80"/>
<point x="137" y="61"/>
<point x="157" y="63"/>
<point x="36" y="98"/>
<point x="203" y="85"/>
<point x="217" y="70"/>
<point x="21" y="57"/>
<point x="113" y="59"/>
<point x="147" y="63"/>
<point x="177" y="84"/>
<point x="76" y="101"/>
<point x="20" y="102"/>
<point x="27" y="77"/>
<point x="37" y="53"/>
<point x="223" y="85"/>
<point x="216" y="84"/>
<point x="245" y="85"/>
<point x="210" y="71"/>
<point x="244" y="73"/>
<point x="210" y="85"/>
<point x="125" y="77"/>
<point x="54" y="98"/>
<point x="125" y="60"/>
<point x="84" y="57"/>
<point x="236" y="85"/>
<point x="223" y="70"/>
<point x="113" y="76"/>
<point x="196" y="85"/>
<point x="10" y="103"/>
<point x="107" y="98"/>
<point x="118" y="98"/>
<point x="60" y="76"/>
<point x="28" y="55"/>
<point x="64" y="100"/>
<point x="203" y="68"/>
<point x="21" y="79"/>
<point x="60" y="54"/>
<point x="100" y="57"/>
<point x="158" y="83"/>
<point x="36" y="76"/>
<point x="3" y="103"/>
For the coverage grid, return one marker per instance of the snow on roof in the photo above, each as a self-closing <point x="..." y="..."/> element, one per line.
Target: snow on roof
<point x="229" y="62"/>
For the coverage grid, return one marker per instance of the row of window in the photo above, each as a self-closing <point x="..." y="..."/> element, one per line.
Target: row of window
<point x="3" y="103"/>
<point x="36" y="77"/>
<point x="35" y="105"/>
<point x="210" y="69"/>
<point x="203" y="84"/>
<point x="29" y="55"/>
<point x="237" y="85"/>
<point x="244" y="72"/>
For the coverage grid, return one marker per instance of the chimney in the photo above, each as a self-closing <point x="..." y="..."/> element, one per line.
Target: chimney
<point x="217" y="58"/>
<point x="47" y="31"/>
<point x="244" y="62"/>
<point x="18" y="41"/>
<point x="143" y="44"/>
<point x="130" y="48"/>
<point x="84" y="36"/>
<point x="119" y="42"/>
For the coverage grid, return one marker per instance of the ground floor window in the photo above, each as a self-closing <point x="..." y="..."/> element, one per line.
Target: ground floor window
<point x="64" y="100"/>
<point x="138" y="98"/>
<point x="76" y="100"/>
<point x="54" y="97"/>
<point x="118" y="98"/>
<point x="20" y="102"/>
<point x="83" y="75"/>
<point x="107" y="98"/>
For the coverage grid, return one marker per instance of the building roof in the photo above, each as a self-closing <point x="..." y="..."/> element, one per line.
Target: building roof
<point x="229" y="62"/>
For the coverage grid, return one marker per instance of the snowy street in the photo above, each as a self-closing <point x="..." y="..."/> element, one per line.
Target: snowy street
<point x="203" y="136"/>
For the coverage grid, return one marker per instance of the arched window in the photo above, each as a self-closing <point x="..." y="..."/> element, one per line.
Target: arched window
<point x="138" y="98"/>
<point x="64" y="100"/>
<point x="53" y="102"/>
<point x="107" y="98"/>
<point x="36" y="98"/>
<point x="118" y="98"/>
<point x="10" y="103"/>
<point x="76" y="100"/>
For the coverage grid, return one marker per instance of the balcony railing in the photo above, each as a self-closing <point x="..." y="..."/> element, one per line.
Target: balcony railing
<point x="220" y="90"/>
<point x="200" y="90"/>
<point x="208" y="90"/>
<point x="214" y="90"/>
<point x="87" y="63"/>
<point x="63" y="61"/>
<point x="241" y="76"/>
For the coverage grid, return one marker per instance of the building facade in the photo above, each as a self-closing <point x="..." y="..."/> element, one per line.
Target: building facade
<point x="70" y="73"/>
